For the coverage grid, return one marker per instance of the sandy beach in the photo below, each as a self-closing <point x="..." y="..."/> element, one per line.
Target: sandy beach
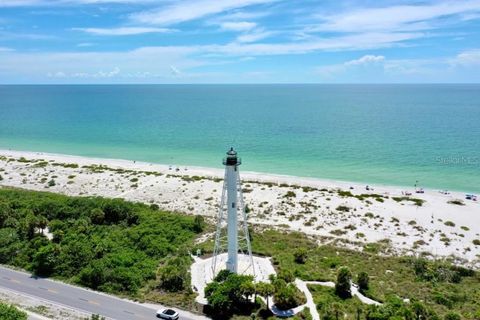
<point x="336" y="212"/>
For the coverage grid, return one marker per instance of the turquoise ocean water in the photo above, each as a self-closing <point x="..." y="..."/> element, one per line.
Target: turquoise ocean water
<point x="387" y="134"/>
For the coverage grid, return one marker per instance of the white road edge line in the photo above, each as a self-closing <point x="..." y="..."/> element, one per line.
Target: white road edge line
<point x="52" y="302"/>
<point x="84" y="289"/>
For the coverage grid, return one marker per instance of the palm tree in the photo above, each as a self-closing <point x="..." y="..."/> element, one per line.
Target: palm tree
<point x="247" y="289"/>
<point x="266" y="290"/>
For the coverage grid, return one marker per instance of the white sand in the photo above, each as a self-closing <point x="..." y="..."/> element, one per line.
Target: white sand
<point x="312" y="212"/>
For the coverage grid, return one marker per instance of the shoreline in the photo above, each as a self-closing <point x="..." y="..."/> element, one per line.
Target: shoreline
<point x="218" y="173"/>
<point x="333" y="210"/>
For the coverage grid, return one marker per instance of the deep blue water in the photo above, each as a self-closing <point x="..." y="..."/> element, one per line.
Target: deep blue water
<point x="389" y="134"/>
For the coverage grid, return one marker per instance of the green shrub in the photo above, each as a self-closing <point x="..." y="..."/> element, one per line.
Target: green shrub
<point x="198" y="224"/>
<point x="457" y="202"/>
<point x="416" y="201"/>
<point x="10" y="312"/>
<point x="300" y="255"/>
<point x="174" y="275"/>
<point x="449" y="224"/>
<point x="287" y="297"/>
<point x="342" y="285"/>
<point x="286" y="275"/>
<point x="452" y="316"/>
<point x="290" y="194"/>
<point x="363" y="281"/>
<point x="342" y="193"/>
<point x="441" y="298"/>
<point x="343" y="208"/>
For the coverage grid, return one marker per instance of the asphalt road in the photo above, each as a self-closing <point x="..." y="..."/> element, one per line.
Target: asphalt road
<point x="78" y="298"/>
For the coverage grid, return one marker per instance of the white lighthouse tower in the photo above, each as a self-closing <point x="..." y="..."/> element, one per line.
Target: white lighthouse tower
<point x="232" y="231"/>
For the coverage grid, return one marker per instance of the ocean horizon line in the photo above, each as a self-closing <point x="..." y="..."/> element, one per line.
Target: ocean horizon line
<point x="247" y="84"/>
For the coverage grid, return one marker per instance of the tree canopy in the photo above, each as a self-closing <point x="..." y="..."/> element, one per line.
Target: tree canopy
<point x="229" y="292"/>
<point x="106" y="244"/>
<point x="342" y="286"/>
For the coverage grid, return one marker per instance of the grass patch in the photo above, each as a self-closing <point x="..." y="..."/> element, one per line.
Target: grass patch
<point x="66" y="165"/>
<point x="457" y="202"/>
<point x="416" y="201"/>
<point x="325" y="297"/>
<point x="290" y="194"/>
<point x="343" y="208"/>
<point x="449" y="224"/>
<point x="338" y="232"/>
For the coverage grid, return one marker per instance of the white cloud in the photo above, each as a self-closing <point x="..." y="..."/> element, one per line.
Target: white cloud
<point x="380" y="66"/>
<point x="19" y="3"/>
<point x="341" y="43"/>
<point x="103" y="67"/>
<point x="254" y="36"/>
<point x="238" y="26"/>
<point x="238" y="15"/>
<point x="29" y="3"/>
<point x="175" y="71"/>
<point x="4" y="35"/>
<point x="85" y="44"/>
<point x="367" y="59"/>
<point x="58" y="74"/>
<point x="395" y="18"/>
<point x="467" y="58"/>
<point x="5" y="49"/>
<point x="187" y="10"/>
<point x="123" y="31"/>
<point x="95" y="75"/>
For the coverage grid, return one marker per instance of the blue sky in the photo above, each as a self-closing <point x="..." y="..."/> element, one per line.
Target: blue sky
<point x="239" y="41"/>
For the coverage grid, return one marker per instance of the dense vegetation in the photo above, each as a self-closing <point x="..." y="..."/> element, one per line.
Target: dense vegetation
<point x="105" y="244"/>
<point x="230" y="294"/>
<point x="440" y="286"/>
<point x="9" y="312"/>
<point x="134" y="249"/>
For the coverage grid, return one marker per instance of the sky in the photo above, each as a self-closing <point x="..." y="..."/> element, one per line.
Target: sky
<point x="239" y="41"/>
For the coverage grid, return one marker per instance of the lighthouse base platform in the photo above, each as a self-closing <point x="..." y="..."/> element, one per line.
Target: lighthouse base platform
<point x="202" y="273"/>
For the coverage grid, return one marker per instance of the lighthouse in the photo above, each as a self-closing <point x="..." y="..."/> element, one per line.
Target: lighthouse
<point x="232" y="230"/>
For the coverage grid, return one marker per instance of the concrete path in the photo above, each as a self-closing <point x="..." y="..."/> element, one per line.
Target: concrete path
<point x="302" y="286"/>
<point x="361" y="297"/>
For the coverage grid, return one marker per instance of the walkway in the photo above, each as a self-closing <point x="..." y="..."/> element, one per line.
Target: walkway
<point x="303" y="286"/>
